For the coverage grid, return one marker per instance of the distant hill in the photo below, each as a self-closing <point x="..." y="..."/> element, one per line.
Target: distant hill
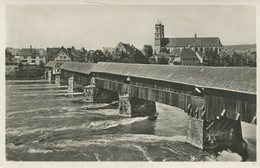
<point x="241" y="47"/>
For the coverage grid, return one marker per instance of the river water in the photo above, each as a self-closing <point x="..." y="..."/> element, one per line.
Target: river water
<point x="43" y="124"/>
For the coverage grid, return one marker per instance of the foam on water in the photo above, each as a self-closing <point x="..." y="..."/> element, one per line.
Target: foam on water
<point x="116" y="139"/>
<point x="39" y="92"/>
<point x="112" y="123"/>
<point x="49" y="109"/>
<point x="225" y="156"/>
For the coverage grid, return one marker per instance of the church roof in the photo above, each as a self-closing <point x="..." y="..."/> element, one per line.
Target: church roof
<point x="192" y="41"/>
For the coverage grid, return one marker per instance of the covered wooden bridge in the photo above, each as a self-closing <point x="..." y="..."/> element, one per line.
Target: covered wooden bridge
<point x="79" y="71"/>
<point x="217" y="98"/>
<point x="209" y="89"/>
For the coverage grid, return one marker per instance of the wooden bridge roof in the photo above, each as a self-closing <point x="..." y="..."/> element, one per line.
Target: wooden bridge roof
<point x="238" y="79"/>
<point x="54" y="64"/>
<point x="79" y="67"/>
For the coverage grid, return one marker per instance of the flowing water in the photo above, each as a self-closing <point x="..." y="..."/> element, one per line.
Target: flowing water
<point x="43" y="124"/>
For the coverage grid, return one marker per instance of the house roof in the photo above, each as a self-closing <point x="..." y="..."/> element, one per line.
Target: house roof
<point x="127" y="47"/>
<point x="231" y="53"/>
<point x="79" y="67"/>
<point x="176" y="52"/>
<point x="161" y="55"/>
<point x="54" y="64"/>
<point x="29" y="52"/>
<point x="199" y="42"/>
<point x="73" y="53"/>
<point x="238" y="79"/>
<point x="188" y="54"/>
<point x="202" y="55"/>
<point x="13" y="51"/>
<point x="52" y="53"/>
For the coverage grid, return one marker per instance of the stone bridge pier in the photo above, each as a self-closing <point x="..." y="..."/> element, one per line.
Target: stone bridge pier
<point x="53" y="77"/>
<point x="134" y="107"/>
<point x="49" y="75"/>
<point x="128" y="106"/>
<point x="219" y="134"/>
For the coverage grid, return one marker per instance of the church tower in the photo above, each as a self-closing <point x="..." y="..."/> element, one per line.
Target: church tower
<point x="159" y="35"/>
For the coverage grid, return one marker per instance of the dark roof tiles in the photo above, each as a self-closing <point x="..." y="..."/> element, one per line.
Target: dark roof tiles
<point x="199" y="42"/>
<point x="54" y="64"/>
<point x="79" y="67"/>
<point x="239" y="79"/>
<point x="188" y="54"/>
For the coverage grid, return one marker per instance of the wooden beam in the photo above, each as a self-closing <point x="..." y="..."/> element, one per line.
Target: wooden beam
<point x="253" y="120"/>
<point x="238" y="116"/>
<point x="223" y="112"/>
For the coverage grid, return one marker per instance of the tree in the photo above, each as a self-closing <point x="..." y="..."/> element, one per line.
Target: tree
<point x="226" y="60"/>
<point x="136" y="56"/>
<point x="41" y="65"/>
<point x="147" y="51"/>
<point x="98" y="56"/>
<point x="165" y="50"/>
<point x="108" y="56"/>
<point x="211" y="56"/>
<point x="20" y="65"/>
<point x="42" y="68"/>
<point x="82" y="55"/>
<point x="8" y="56"/>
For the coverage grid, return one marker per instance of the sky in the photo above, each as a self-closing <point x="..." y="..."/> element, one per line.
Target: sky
<point x="98" y="26"/>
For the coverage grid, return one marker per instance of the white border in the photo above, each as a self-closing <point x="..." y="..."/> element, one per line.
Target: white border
<point x="4" y="163"/>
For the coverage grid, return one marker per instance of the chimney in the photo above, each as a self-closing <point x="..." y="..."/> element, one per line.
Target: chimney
<point x="30" y="46"/>
<point x="195" y="35"/>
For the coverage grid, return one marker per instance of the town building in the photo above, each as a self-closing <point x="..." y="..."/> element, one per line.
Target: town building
<point x="58" y="54"/>
<point x="235" y="58"/>
<point x="185" y="56"/>
<point x="31" y="56"/>
<point x="109" y="49"/>
<point x="194" y="43"/>
<point x="126" y="48"/>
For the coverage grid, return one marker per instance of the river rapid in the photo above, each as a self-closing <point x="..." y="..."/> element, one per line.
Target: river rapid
<point x="45" y="124"/>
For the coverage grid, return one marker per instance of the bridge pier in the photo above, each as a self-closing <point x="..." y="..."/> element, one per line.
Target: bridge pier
<point x="57" y="79"/>
<point x="49" y="75"/>
<point x="134" y="107"/>
<point x="217" y="135"/>
<point x="224" y="133"/>
<point x="98" y="95"/>
<point x="71" y="84"/>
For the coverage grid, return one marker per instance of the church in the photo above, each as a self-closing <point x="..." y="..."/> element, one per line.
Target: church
<point x="194" y="43"/>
